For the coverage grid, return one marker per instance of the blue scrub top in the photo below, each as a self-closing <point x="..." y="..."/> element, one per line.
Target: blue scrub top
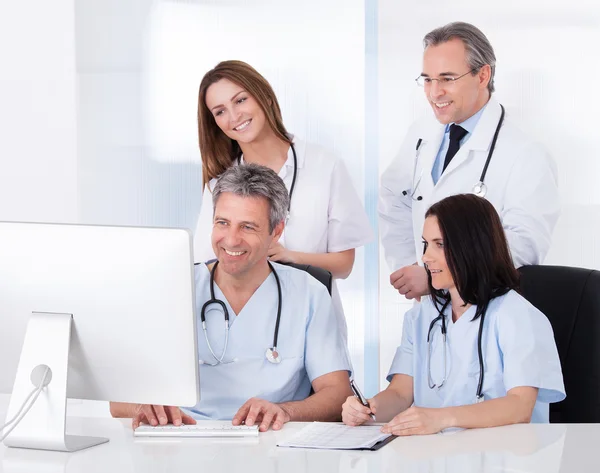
<point x="310" y="343"/>
<point x="518" y="350"/>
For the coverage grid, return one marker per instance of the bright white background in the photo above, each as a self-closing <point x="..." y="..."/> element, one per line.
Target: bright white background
<point x="546" y="76"/>
<point x="139" y="65"/>
<point x="98" y="104"/>
<point x="38" y="153"/>
<point x="38" y="159"/>
<point x="134" y="71"/>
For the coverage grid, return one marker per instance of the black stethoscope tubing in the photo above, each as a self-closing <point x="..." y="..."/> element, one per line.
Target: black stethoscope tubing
<point x="434" y="321"/>
<point x="492" y="146"/>
<point x="279" y="300"/>
<point x="441" y="316"/>
<point x="480" y="356"/>
<point x="214" y="300"/>
<point x="293" y="176"/>
<point x="480" y="184"/>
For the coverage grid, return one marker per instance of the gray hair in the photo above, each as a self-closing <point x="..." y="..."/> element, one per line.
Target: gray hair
<point x="479" y="49"/>
<point x="253" y="180"/>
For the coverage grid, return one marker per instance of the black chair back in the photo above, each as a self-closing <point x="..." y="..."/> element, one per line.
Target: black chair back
<point x="570" y="298"/>
<point x="320" y="274"/>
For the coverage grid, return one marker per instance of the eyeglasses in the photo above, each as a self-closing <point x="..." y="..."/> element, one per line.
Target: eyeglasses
<point x="422" y="81"/>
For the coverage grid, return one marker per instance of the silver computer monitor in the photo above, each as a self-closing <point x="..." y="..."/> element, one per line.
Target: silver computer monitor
<point x="109" y="310"/>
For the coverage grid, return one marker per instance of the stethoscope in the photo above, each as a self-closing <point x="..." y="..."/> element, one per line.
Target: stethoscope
<point x="272" y="355"/>
<point x="479" y="189"/>
<point x="430" y="382"/>
<point x="287" y="216"/>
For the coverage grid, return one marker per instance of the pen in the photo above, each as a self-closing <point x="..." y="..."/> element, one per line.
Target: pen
<point x="360" y="397"/>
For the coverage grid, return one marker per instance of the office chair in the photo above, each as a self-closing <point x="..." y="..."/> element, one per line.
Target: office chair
<point x="570" y="298"/>
<point x="320" y="274"/>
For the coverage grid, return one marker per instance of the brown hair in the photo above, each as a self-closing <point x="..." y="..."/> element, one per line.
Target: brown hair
<point x="217" y="150"/>
<point x="476" y="250"/>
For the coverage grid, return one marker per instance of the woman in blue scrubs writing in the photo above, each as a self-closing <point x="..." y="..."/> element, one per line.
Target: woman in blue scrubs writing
<point x="474" y="353"/>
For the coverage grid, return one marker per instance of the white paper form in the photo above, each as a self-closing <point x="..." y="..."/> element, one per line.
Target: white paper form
<point x="336" y="436"/>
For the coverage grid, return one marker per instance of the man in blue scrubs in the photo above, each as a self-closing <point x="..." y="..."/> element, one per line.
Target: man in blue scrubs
<point x="238" y="377"/>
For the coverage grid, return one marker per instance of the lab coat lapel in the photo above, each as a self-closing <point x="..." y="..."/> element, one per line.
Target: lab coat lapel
<point x="479" y="141"/>
<point x="428" y="152"/>
<point x="432" y="138"/>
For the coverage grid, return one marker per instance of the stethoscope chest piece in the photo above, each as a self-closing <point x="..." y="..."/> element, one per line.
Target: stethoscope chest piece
<point x="480" y="189"/>
<point x="272" y="356"/>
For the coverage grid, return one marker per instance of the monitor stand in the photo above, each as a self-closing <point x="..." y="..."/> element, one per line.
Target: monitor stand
<point x="46" y="344"/>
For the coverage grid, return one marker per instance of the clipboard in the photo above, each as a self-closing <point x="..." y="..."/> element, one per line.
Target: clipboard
<point x="337" y="436"/>
<point x="378" y="445"/>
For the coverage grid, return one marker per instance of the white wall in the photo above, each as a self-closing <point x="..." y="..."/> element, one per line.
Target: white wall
<point x="38" y="160"/>
<point x="38" y="119"/>
<point x="139" y="65"/>
<point x="98" y="115"/>
<point x="98" y="104"/>
<point x="546" y="74"/>
<point x="124" y="176"/>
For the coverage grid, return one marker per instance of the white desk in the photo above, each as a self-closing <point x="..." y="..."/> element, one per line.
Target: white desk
<point x="519" y="448"/>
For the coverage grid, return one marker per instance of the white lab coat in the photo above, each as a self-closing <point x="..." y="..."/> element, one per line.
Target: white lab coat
<point x="521" y="184"/>
<point x="326" y="214"/>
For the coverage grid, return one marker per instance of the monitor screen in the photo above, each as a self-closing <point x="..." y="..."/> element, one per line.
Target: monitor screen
<point x="130" y="291"/>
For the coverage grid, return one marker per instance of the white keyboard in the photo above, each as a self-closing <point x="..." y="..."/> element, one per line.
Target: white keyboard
<point x="207" y="428"/>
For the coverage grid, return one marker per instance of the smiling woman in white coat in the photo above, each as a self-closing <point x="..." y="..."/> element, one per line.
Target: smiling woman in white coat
<point x="470" y="146"/>
<point x="239" y="121"/>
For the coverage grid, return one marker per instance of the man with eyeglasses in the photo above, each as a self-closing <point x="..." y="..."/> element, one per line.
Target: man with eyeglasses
<point x="471" y="147"/>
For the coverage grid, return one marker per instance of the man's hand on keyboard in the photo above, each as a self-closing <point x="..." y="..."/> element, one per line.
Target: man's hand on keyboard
<point x="259" y="411"/>
<point x="159" y="415"/>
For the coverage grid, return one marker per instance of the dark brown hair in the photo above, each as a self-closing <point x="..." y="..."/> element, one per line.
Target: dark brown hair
<point x="476" y="251"/>
<point x="217" y="150"/>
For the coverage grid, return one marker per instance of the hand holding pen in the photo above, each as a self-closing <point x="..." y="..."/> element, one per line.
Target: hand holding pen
<point x="357" y="410"/>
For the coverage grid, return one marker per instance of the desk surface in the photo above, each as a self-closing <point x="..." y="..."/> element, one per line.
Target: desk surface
<point x="518" y="448"/>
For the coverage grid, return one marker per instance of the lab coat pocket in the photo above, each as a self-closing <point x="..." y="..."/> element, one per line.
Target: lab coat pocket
<point x="404" y="193"/>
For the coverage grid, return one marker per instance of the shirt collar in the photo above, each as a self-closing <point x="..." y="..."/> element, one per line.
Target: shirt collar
<point x="290" y="156"/>
<point x="470" y="123"/>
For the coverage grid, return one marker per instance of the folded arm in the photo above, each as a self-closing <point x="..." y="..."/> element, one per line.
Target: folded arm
<point x="516" y="407"/>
